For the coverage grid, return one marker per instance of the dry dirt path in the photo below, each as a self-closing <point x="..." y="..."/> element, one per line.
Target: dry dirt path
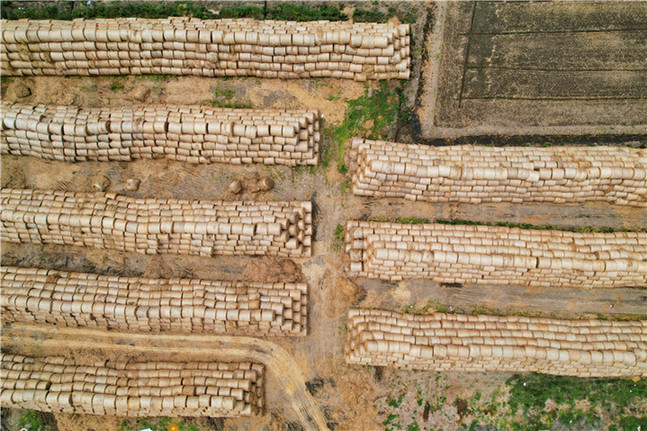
<point x="279" y="363"/>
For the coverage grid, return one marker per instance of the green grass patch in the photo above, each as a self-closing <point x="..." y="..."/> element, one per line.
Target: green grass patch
<point x="409" y="16"/>
<point x="603" y="229"/>
<point x="117" y="85"/>
<point x="65" y="10"/>
<point x="372" y="115"/>
<point x="391" y="422"/>
<point x="369" y="15"/>
<point x="31" y="419"/>
<point x="158" y="77"/>
<point x="296" y="12"/>
<point x="607" y="397"/>
<point x="395" y="402"/>
<point x="380" y="219"/>
<point x="338" y="240"/>
<point x="412" y="220"/>
<point x="533" y="390"/>
<point x="523" y="402"/>
<point x="285" y="12"/>
<point x="242" y="12"/>
<point x="429" y="306"/>
<point x="632" y="423"/>
<point x="223" y="98"/>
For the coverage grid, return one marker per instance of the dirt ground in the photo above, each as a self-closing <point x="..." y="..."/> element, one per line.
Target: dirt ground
<point x="312" y="372"/>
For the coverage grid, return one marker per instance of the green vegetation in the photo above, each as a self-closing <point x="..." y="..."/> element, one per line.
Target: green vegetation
<point x="67" y="11"/>
<point x="369" y="15"/>
<point x="603" y="229"/>
<point x="31" y="419"/>
<point x="285" y="12"/>
<point x="117" y="84"/>
<point x="391" y="422"/>
<point x="242" y="12"/>
<point x="418" y="220"/>
<point x="410" y="15"/>
<point x="522" y="402"/>
<point x="372" y="116"/>
<point x="90" y="87"/>
<point x="296" y="12"/>
<point x="631" y="423"/>
<point x="607" y="398"/>
<point x="381" y="219"/>
<point x="412" y="220"/>
<point x="325" y="150"/>
<point x="223" y="98"/>
<point x="158" y="77"/>
<point x="375" y="14"/>
<point x="425" y="309"/>
<point x="156" y="424"/>
<point x="415" y="396"/>
<point x="338" y="241"/>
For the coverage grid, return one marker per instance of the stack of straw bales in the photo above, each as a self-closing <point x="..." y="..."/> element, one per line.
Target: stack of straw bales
<point x="189" y="134"/>
<point x="152" y="305"/>
<point x="472" y="174"/>
<point x="467" y="254"/>
<point x="62" y="385"/>
<point x="152" y="226"/>
<point x="443" y="342"/>
<point x="222" y="47"/>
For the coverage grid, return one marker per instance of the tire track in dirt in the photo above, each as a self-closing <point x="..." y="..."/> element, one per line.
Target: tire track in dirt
<point x="45" y="340"/>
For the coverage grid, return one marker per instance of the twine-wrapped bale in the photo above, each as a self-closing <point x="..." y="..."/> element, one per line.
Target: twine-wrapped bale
<point x="189" y="134"/>
<point x="474" y="174"/>
<point x="467" y="254"/>
<point x="128" y="388"/>
<point x="135" y="304"/>
<point x="442" y="342"/>
<point x="153" y="226"/>
<point x="221" y="47"/>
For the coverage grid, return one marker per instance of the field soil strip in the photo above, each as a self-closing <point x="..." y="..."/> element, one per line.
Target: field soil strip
<point x="543" y="64"/>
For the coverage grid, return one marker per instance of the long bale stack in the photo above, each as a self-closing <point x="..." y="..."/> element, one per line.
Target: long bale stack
<point x="189" y="134"/>
<point x="152" y="226"/>
<point x="442" y="342"/>
<point x="467" y="254"/>
<point x="128" y="388"/>
<point x="473" y="174"/>
<point x="152" y="305"/>
<point x="221" y="47"/>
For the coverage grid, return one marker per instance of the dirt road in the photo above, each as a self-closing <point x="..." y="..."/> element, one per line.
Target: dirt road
<point x="278" y="362"/>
